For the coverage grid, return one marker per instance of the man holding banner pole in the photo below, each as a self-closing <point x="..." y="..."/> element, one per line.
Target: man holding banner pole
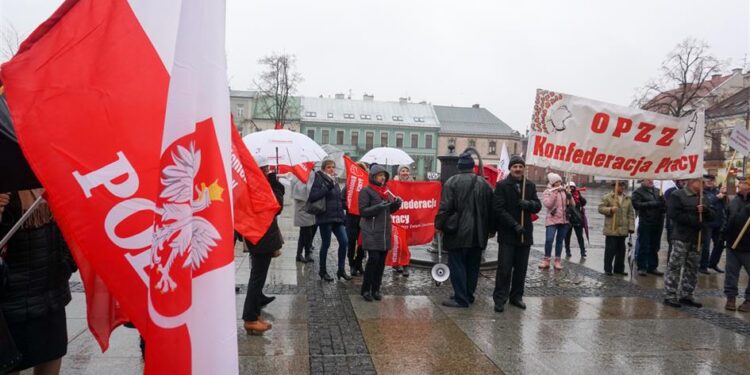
<point x="738" y="255"/>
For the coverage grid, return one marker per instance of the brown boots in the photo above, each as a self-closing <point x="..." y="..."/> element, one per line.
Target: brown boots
<point x="731" y="305"/>
<point x="257" y="327"/>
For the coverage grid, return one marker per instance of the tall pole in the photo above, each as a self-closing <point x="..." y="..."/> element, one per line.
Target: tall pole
<point x="523" y="197"/>
<point x="617" y="204"/>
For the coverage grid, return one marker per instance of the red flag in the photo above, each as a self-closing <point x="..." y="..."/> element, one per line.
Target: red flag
<point x="398" y="254"/>
<point x="137" y="166"/>
<point x="491" y="174"/>
<point x="356" y="180"/>
<point x="255" y="205"/>
<point x="421" y="201"/>
<point x="301" y="171"/>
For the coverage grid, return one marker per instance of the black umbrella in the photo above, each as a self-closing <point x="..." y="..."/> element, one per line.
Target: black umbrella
<point x="15" y="173"/>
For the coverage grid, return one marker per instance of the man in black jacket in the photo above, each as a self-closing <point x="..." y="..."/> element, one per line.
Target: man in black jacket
<point x="464" y="218"/>
<point x="684" y="209"/>
<point x="651" y="208"/>
<point x="737" y="215"/>
<point x="514" y="239"/>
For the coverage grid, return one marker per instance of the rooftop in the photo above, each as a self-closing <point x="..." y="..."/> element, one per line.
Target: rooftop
<point x="242" y="94"/>
<point x="367" y="111"/>
<point x="733" y="105"/>
<point x="471" y="120"/>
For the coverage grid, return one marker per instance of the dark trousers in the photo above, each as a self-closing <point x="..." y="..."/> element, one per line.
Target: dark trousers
<point x="464" y="267"/>
<point x="510" y="277"/>
<point x="735" y="262"/>
<point x="373" y="271"/>
<point x="354" y="251"/>
<point x="259" y="264"/>
<point x="579" y="235"/>
<point x="649" y="241"/>
<point x="710" y="258"/>
<point x="614" y="250"/>
<point x="305" y="241"/>
<point x="338" y="230"/>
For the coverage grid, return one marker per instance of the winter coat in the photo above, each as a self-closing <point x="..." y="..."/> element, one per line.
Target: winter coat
<point x="685" y="220"/>
<point x="40" y="266"/>
<point x="579" y="202"/>
<point x="719" y="205"/>
<point x="556" y="201"/>
<point x="507" y="211"/>
<point x="650" y="205"/>
<point x="625" y="222"/>
<point x="375" y="215"/>
<point x="737" y="214"/>
<point x="474" y="208"/>
<point x="326" y="187"/>
<point x="300" y="193"/>
<point x="272" y="240"/>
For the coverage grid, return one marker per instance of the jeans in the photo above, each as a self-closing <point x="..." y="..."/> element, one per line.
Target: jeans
<point x="711" y="258"/>
<point x="735" y="262"/>
<point x="648" y="242"/>
<point x="464" y="267"/>
<point x="579" y="235"/>
<point x="562" y="231"/>
<point x="373" y="271"/>
<point x="614" y="250"/>
<point x="510" y="277"/>
<point x="338" y="230"/>
<point x="259" y="264"/>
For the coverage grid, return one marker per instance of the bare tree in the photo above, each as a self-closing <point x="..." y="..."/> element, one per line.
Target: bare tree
<point x="682" y="83"/>
<point x="9" y="41"/>
<point x="275" y="86"/>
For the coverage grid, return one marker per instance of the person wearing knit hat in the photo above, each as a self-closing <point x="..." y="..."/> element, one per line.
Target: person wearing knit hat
<point x="465" y="162"/>
<point x="515" y="201"/>
<point x="556" y="200"/>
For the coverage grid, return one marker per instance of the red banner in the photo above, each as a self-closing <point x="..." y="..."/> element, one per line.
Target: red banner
<point x="399" y="254"/>
<point x="356" y="180"/>
<point x="301" y="171"/>
<point x="417" y="214"/>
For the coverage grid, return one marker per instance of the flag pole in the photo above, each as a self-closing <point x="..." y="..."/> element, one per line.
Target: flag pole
<point x="20" y="221"/>
<point x="700" y="215"/>
<point x="617" y="204"/>
<point x="523" y="197"/>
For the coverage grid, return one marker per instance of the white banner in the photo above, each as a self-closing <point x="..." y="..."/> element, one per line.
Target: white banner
<point x="740" y="140"/>
<point x="589" y="137"/>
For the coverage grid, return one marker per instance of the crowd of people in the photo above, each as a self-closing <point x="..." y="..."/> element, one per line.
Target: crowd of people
<point x="699" y="218"/>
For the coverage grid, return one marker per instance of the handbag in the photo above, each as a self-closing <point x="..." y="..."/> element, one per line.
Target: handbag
<point x="451" y="223"/>
<point x="315" y="208"/>
<point x="574" y="216"/>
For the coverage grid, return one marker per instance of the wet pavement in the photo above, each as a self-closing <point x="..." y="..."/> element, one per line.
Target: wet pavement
<point x="578" y="321"/>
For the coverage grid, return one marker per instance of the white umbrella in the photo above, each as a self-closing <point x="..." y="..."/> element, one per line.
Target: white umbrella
<point x="337" y="155"/>
<point x="284" y="147"/>
<point x="387" y="156"/>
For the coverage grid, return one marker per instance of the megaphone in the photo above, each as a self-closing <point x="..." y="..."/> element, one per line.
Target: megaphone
<point x="440" y="272"/>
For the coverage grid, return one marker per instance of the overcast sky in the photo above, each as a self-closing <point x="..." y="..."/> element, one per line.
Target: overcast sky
<point x="495" y="53"/>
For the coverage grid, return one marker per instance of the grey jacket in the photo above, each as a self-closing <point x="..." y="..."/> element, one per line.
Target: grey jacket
<point x="375" y="215"/>
<point x="300" y="193"/>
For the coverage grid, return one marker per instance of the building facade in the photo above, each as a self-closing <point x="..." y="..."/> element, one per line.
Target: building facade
<point x="721" y="118"/>
<point x="241" y="104"/>
<point x="476" y="127"/>
<point x="357" y="126"/>
<point x="251" y="112"/>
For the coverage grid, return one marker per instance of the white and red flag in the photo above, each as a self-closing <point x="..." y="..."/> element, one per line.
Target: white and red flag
<point x="502" y="165"/>
<point x="122" y="110"/>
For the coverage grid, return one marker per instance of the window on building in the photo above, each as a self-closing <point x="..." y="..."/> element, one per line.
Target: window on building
<point x="349" y="116"/>
<point x="472" y="143"/>
<point x="339" y="137"/>
<point x="365" y="117"/>
<point x="311" y="133"/>
<point x="414" y="140"/>
<point x="383" y="139"/>
<point x="330" y="114"/>
<point x="398" y="118"/>
<point x="492" y="149"/>
<point x="355" y="138"/>
<point x="324" y="133"/>
<point x="515" y="148"/>
<point x="379" y="117"/>
<point x="419" y="119"/>
<point x="428" y="141"/>
<point x="452" y="141"/>
<point x="400" y="140"/>
<point x="240" y="110"/>
<point x="369" y="140"/>
<point x="428" y="165"/>
<point x="310" y="114"/>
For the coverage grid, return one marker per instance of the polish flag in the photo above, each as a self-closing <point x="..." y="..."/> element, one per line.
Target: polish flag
<point x="122" y="110"/>
<point x="502" y="166"/>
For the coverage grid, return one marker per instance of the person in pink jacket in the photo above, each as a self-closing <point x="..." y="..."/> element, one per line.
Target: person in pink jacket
<point x="555" y="200"/>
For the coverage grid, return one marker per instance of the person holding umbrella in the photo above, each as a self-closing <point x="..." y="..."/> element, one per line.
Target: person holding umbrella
<point x="376" y="205"/>
<point x="331" y="220"/>
<point x="619" y="222"/>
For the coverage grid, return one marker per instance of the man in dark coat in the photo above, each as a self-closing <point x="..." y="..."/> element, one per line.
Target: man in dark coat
<point x="464" y="218"/>
<point x="514" y="239"/>
<point x="737" y="215"/>
<point x="261" y="253"/>
<point x="684" y="209"/>
<point x="651" y="208"/>
<point x="717" y="198"/>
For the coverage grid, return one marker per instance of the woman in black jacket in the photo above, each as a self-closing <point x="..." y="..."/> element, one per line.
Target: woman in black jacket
<point x="269" y="246"/>
<point x="34" y="299"/>
<point x="331" y="221"/>
<point x="376" y="205"/>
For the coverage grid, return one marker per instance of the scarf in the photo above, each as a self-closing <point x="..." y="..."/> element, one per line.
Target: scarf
<point x="41" y="216"/>
<point x="382" y="191"/>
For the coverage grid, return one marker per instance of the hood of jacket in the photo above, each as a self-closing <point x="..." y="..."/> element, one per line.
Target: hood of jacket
<point x="375" y="169"/>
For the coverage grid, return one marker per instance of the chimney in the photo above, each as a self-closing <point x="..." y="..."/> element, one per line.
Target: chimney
<point x="737" y="70"/>
<point x="402" y="100"/>
<point x="475" y="106"/>
<point x="368" y="98"/>
<point x="715" y="77"/>
<point x="340" y="96"/>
